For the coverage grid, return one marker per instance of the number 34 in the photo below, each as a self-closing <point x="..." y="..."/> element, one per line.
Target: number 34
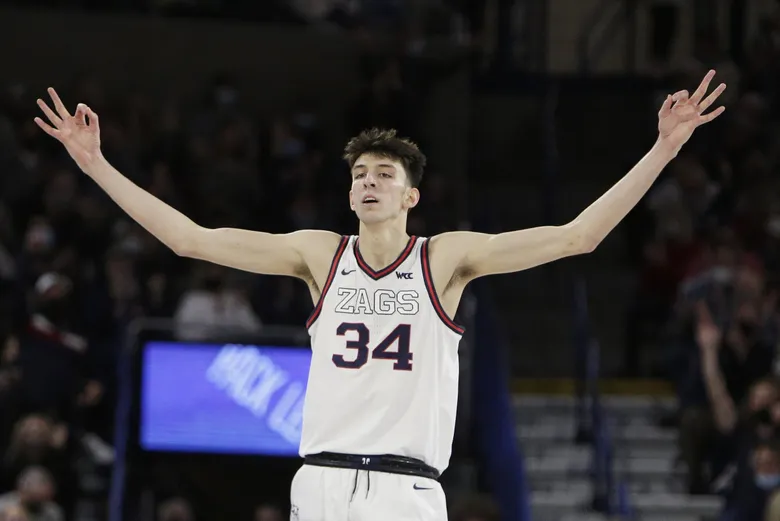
<point x="402" y="357"/>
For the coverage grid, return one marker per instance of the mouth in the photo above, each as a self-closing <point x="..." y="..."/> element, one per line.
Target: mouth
<point x="370" y="199"/>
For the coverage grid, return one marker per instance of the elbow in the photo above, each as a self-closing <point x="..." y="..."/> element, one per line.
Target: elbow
<point x="580" y="239"/>
<point x="185" y="242"/>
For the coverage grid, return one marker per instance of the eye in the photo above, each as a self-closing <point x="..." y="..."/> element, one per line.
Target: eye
<point x="359" y="175"/>
<point x="385" y="174"/>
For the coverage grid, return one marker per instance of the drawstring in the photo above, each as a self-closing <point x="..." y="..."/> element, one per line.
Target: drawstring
<point x="355" y="484"/>
<point x="354" y="487"/>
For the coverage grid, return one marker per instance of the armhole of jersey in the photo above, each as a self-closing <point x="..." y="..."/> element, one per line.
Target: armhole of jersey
<point x="331" y="275"/>
<point x="426" y="268"/>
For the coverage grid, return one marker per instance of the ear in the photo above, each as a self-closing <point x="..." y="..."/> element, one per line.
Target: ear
<point x="412" y="198"/>
<point x="351" y="202"/>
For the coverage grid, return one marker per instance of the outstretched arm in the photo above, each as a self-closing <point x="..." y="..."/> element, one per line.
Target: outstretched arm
<point x="474" y="255"/>
<point x="258" y="252"/>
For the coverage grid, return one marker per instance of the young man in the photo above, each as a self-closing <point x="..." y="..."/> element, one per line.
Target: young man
<point x="380" y="407"/>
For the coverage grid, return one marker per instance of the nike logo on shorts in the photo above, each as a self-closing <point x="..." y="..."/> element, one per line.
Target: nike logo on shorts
<point x="418" y="487"/>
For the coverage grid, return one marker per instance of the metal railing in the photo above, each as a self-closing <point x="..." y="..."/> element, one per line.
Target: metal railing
<point x="610" y="493"/>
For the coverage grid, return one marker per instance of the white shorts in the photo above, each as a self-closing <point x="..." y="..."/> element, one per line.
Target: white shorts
<point x="336" y="494"/>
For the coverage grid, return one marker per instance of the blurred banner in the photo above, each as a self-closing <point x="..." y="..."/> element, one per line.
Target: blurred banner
<point x="239" y="399"/>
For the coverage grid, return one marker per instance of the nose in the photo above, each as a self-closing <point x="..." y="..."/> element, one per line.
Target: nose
<point x="369" y="180"/>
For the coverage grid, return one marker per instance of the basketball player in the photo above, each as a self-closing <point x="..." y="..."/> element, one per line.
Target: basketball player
<point x="379" y="413"/>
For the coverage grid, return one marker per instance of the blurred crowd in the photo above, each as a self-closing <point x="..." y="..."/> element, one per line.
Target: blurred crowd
<point x="708" y="287"/>
<point x="75" y="271"/>
<point x="413" y="21"/>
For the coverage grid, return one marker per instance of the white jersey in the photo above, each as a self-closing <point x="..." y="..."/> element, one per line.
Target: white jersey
<point x="384" y="370"/>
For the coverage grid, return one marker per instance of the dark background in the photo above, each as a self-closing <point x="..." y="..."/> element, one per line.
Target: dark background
<point x="235" y="112"/>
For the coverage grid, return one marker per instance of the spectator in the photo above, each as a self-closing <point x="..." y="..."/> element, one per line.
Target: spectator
<point x="713" y="436"/>
<point x="39" y="441"/>
<point x="758" y="487"/>
<point x="268" y="512"/>
<point x="34" y="496"/>
<point x="14" y="513"/>
<point x="175" y="509"/>
<point x="53" y="360"/>
<point x="213" y="307"/>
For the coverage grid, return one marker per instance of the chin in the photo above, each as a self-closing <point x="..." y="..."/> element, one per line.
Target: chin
<point x="373" y="217"/>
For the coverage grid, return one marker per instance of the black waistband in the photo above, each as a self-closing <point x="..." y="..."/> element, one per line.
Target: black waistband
<point x="384" y="463"/>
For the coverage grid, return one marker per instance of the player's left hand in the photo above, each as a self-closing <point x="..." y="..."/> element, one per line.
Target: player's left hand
<point x="680" y="114"/>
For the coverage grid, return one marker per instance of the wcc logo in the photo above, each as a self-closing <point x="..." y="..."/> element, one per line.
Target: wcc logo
<point x="402" y="275"/>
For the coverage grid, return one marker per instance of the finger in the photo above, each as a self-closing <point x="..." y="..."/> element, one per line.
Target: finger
<point x="666" y="108"/>
<point x="53" y="118"/>
<point x="61" y="110"/>
<point x="703" y="87"/>
<point x="709" y="100"/>
<point x="81" y="113"/>
<point x="706" y="118"/>
<point x="53" y="132"/>
<point x="680" y="96"/>
<point x="94" y="121"/>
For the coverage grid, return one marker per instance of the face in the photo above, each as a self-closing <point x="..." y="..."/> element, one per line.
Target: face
<point x="268" y="513"/>
<point x="380" y="190"/>
<point x="36" y="494"/>
<point x="765" y="461"/>
<point x="762" y="394"/>
<point x="176" y="509"/>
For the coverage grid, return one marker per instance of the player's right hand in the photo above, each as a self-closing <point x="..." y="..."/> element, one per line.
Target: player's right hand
<point x="79" y="133"/>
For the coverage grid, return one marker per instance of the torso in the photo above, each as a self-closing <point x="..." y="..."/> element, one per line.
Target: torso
<point x="384" y="372"/>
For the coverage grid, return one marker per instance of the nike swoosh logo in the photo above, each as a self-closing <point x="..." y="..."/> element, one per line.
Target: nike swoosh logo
<point x="417" y="487"/>
<point x="345" y="272"/>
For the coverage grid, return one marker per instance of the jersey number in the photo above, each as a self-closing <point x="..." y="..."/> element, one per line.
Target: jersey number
<point x="402" y="356"/>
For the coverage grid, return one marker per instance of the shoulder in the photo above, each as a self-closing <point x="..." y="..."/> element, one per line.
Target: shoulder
<point x="453" y="248"/>
<point x="315" y="240"/>
<point x="316" y="245"/>
<point x="454" y="240"/>
<point x="318" y="249"/>
<point x="449" y="254"/>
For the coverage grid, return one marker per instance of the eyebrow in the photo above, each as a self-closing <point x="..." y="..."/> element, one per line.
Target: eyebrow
<point x="385" y="165"/>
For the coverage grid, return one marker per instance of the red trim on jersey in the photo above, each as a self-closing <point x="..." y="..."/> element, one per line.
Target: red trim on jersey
<point x="376" y="275"/>
<point x="426" y="267"/>
<point x="331" y="275"/>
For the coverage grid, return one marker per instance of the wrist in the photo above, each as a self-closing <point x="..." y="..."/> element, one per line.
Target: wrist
<point x="95" y="165"/>
<point x="709" y="359"/>
<point x="665" y="149"/>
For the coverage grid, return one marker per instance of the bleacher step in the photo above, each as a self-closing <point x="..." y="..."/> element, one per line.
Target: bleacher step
<point x="659" y="505"/>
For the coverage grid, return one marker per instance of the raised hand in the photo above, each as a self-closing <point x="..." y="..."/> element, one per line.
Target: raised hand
<point x="79" y="133"/>
<point x="708" y="334"/>
<point x="680" y="115"/>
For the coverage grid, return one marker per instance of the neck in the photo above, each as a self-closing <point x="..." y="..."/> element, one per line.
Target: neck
<point x="381" y="243"/>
